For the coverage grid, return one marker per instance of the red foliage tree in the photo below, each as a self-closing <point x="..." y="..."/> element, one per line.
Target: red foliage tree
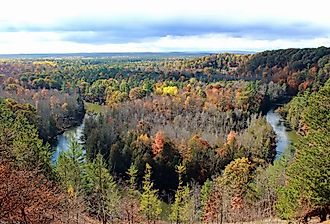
<point x="158" y="145"/>
<point x="27" y="197"/>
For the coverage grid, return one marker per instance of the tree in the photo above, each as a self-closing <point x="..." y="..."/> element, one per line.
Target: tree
<point x="307" y="187"/>
<point x="70" y="167"/>
<point x="137" y="93"/>
<point x="131" y="201"/>
<point x="27" y="196"/>
<point x="306" y="192"/>
<point x="258" y="141"/>
<point x="19" y="139"/>
<point x="214" y="205"/>
<point x="236" y="177"/>
<point x="182" y="203"/>
<point x="150" y="205"/>
<point x="158" y="145"/>
<point x="204" y="195"/>
<point x="101" y="191"/>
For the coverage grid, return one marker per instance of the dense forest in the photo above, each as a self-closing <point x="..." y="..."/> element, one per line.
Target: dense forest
<point x="165" y="139"/>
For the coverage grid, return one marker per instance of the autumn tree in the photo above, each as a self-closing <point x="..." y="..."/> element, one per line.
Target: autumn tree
<point x="158" y="145"/>
<point x="236" y="177"/>
<point x="27" y="196"/>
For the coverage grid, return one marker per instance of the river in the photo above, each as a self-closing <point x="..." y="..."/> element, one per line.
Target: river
<point x="63" y="140"/>
<point x="284" y="136"/>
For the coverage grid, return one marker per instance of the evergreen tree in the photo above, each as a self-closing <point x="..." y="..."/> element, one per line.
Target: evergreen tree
<point x="101" y="191"/>
<point x="204" y="195"/>
<point x="307" y="187"/>
<point x="179" y="208"/>
<point x="70" y="168"/>
<point x="132" y="200"/>
<point x="132" y="173"/>
<point x="150" y="205"/>
<point x="19" y="139"/>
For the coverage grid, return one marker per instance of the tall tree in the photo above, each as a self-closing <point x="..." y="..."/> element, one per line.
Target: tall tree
<point x="182" y="203"/>
<point x="131" y="205"/>
<point x="70" y="168"/>
<point x="102" y="192"/>
<point x="150" y="205"/>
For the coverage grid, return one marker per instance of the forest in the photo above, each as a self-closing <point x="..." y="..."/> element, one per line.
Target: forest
<point x="166" y="139"/>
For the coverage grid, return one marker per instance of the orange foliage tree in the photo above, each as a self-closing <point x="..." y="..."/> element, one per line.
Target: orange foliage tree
<point x="158" y="145"/>
<point x="28" y="197"/>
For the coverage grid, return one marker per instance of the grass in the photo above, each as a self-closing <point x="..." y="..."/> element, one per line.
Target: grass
<point x="95" y="108"/>
<point x="293" y="136"/>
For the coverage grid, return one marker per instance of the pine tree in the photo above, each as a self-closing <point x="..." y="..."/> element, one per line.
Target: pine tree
<point x="19" y="139"/>
<point x="180" y="210"/>
<point x="150" y="205"/>
<point x="131" y="205"/>
<point x="102" y="193"/>
<point x="307" y="186"/>
<point x="204" y="195"/>
<point x="70" y="168"/>
<point x="132" y="173"/>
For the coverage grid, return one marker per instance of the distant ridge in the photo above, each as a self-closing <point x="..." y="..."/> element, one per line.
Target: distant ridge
<point x="118" y="54"/>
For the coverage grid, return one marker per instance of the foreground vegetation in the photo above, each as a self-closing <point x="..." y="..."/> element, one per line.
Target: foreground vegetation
<point x="180" y="140"/>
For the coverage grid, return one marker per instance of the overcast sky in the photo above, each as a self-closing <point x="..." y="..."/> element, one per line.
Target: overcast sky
<point x="63" y="26"/>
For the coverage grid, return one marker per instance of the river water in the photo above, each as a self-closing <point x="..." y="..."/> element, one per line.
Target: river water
<point x="284" y="136"/>
<point x="64" y="139"/>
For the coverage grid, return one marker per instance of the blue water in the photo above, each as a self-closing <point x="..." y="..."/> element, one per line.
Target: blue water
<point x="64" y="139"/>
<point x="277" y="123"/>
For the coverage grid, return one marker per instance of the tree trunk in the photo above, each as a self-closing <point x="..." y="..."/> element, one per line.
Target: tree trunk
<point x="24" y="216"/>
<point x="323" y="215"/>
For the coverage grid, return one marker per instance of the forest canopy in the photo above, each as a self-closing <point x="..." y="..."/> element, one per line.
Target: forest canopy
<point x="166" y="138"/>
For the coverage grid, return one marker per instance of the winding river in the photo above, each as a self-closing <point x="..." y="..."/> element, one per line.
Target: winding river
<point x="63" y="140"/>
<point x="284" y="136"/>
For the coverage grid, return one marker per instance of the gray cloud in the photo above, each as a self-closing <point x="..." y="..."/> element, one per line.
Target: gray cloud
<point x="102" y="30"/>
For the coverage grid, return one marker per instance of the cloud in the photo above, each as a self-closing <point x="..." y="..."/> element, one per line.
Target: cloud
<point x="132" y="32"/>
<point x="85" y="25"/>
<point x="123" y="31"/>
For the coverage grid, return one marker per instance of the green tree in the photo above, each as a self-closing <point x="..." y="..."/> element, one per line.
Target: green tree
<point x="101" y="191"/>
<point x="150" y="205"/>
<point x="70" y="168"/>
<point x="19" y="139"/>
<point x="307" y="186"/>
<point x="131" y="201"/>
<point x="132" y="173"/>
<point x="179" y="213"/>
<point x="204" y="195"/>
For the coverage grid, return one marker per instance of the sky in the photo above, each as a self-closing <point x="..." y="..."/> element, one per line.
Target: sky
<point x="74" y="26"/>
